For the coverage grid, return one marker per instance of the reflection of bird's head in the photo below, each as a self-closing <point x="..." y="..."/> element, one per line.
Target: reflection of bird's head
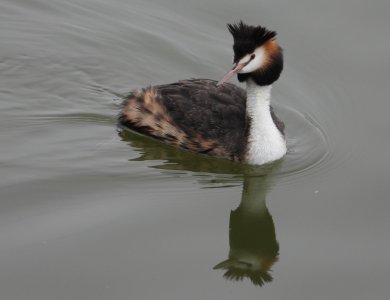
<point x="257" y="269"/>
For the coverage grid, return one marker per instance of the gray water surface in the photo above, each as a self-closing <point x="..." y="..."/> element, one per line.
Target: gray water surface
<point x="86" y="213"/>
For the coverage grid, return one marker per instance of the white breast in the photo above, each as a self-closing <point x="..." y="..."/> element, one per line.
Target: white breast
<point x="265" y="142"/>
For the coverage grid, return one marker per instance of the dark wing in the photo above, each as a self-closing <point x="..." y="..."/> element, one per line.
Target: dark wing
<point x="193" y="114"/>
<point x="279" y="124"/>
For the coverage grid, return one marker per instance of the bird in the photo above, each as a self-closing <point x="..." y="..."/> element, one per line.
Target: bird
<point x="218" y="118"/>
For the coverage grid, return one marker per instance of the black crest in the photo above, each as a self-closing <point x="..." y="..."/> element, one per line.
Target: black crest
<point x="247" y="38"/>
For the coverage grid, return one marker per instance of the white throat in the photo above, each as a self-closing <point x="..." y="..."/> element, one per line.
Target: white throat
<point x="265" y="142"/>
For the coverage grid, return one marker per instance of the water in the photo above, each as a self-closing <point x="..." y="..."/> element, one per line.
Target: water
<point x="86" y="213"/>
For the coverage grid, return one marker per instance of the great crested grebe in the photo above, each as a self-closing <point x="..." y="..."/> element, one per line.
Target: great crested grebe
<point x="218" y="118"/>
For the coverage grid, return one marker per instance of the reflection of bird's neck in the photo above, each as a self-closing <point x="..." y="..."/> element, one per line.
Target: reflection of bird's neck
<point x="253" y="197"/>
<point x="252" y="229"/>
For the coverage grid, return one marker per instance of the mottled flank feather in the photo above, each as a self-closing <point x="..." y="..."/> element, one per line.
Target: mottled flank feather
<point x="192" y="114"/>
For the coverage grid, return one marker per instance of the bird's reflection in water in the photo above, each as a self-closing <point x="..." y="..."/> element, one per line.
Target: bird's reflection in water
<point x="252" y="239"/>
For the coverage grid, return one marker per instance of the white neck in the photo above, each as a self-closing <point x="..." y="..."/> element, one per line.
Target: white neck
<point x="265" y="142"/>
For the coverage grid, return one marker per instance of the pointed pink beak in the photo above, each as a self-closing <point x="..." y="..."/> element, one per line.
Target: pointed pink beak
<point x="231" y="73"/>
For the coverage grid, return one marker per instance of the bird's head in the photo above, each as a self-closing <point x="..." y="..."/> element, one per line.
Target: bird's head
<point x="256" y="54"/>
